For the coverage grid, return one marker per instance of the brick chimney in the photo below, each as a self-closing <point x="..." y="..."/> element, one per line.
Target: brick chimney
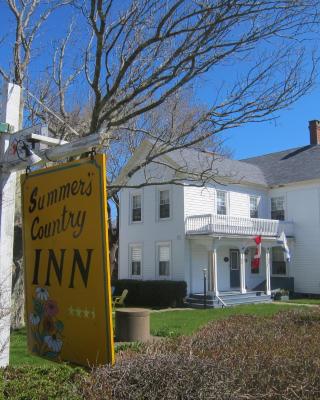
<point x="314" y="128"/>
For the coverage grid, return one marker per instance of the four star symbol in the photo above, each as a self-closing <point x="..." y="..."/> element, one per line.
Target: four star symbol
<point x="81" y="313"/>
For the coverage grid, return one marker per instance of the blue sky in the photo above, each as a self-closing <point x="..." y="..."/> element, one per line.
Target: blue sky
<point x="289" y="130"/>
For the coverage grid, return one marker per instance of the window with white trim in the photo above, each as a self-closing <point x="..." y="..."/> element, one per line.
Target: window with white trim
<point x="164" y="204"/>
<point x="279" y="265"/>
<point x="135" y="260"/>
<point x="164" y="257"/>
<point x="136" y="207"/>
<point x="221" y="202"/>
<point x="254" y="206"/>
<point x="277" y="208"/>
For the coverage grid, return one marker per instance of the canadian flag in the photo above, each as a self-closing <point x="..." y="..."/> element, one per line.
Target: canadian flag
<point x="256" y="259"/>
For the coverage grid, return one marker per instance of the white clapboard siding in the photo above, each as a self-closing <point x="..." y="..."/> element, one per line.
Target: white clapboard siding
<point x="199" y="200"/>
<point x="239" y="204"/>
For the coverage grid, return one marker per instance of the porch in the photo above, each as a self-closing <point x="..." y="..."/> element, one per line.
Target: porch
<point x="227" y="263"/>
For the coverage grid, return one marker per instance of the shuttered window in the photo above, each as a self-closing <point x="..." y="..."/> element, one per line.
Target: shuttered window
<point x="164" y="259"/>
<point x="136" y="259"/>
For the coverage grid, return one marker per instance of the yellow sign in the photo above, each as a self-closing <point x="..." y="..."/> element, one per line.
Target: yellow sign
<point x="67" y="274"/>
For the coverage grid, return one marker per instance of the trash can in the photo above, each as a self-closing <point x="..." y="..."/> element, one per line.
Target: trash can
<point x="132" y="325"/>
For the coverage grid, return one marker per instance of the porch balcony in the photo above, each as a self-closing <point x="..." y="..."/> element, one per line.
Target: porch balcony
<point x="207" y="224"/>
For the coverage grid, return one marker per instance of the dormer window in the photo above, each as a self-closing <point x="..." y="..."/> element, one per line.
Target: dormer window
<point x="136" y="215"/>
<point x="221" y="202"/>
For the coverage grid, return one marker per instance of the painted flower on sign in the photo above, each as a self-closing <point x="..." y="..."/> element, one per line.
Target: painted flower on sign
<point x="45" y="328"/>
<point x="42" y="294"/>
<point x="34" y="319"/>
<point x="48" y="325"/>
<point x="53" y="343"/>
<point x="51" y="308"/>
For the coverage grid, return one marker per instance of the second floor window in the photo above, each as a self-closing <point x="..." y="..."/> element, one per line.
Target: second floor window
<point x="277" y="208"/>
<point x="254" y="204"/>
<point x="221" y="202"/>
<point x="136" y="208"/>
<point x="164" y="204"/>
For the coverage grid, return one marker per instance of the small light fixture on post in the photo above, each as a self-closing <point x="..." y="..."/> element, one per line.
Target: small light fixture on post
<point x="204" y="288"/>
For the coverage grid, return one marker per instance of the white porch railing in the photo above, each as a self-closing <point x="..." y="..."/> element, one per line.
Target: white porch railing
<point x="226" y="224"/>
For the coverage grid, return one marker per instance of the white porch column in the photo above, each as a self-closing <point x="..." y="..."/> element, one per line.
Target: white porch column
<point x="242" y="272"/>
<point x="268" y="281"/>
<point x="215" y="272"/>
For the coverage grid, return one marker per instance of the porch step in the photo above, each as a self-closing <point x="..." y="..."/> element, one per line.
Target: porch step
<point x="196" y="300"/>
<point x="232" y="298"/>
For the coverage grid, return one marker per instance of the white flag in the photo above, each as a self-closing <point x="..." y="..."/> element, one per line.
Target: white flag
<point x="283" y="241"/>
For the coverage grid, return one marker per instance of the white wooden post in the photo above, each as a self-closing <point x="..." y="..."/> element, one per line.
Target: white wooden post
<point x="242" y="272"/>
<point x="268" y="281"/>
<point x="10" y="114"/>
<point x="215" y="272"/>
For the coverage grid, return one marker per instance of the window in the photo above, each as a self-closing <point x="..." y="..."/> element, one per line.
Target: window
<point x="277" y="208"/>
<point x="254" y="204"/>
<point x="279" y="266"/>
<point x="136" y="208"/>
<point x="164" y="204"/>
<point x="221" y="202"/>
<point x="164" y="260"/>
<point x="135" y="260"/>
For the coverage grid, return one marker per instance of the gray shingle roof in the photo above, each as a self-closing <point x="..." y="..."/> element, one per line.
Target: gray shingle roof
<point x="237" y="171"/>
<point x="288" y="166"/>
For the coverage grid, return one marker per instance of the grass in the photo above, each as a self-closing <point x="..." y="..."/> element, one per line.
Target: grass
<point x="306" y="301"/>
<point x="163" y="323"/>
<point x="185" y="322"/>
<point x="19" y="354"/>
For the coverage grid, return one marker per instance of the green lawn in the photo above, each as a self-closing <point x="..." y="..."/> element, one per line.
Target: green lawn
<point x="19" y="353"/>
<point x="185" y="322"/>
<point x="163" y="323"/>
<point x="306" y="301"/>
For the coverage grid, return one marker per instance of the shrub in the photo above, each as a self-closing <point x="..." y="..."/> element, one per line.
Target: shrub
<point x="152" y="293"/>
<point x="41" y="383"/>
<point x="242" y="357"/>
<point x="156" y="377"/>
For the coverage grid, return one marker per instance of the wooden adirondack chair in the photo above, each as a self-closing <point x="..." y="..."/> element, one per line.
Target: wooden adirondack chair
<point x="118" y="301"/>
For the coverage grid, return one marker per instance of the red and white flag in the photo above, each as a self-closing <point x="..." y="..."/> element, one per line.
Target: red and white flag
<point x="256" y="259"/>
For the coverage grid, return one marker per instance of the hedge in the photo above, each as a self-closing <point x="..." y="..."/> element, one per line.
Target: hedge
<point x="152" y="293"/>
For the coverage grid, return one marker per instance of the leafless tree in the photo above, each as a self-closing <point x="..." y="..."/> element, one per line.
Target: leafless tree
<point x="134" y="57"/>
<point x="139" y="54"/>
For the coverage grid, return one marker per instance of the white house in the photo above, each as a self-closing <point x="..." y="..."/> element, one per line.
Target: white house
<point x="176" y="231"/>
